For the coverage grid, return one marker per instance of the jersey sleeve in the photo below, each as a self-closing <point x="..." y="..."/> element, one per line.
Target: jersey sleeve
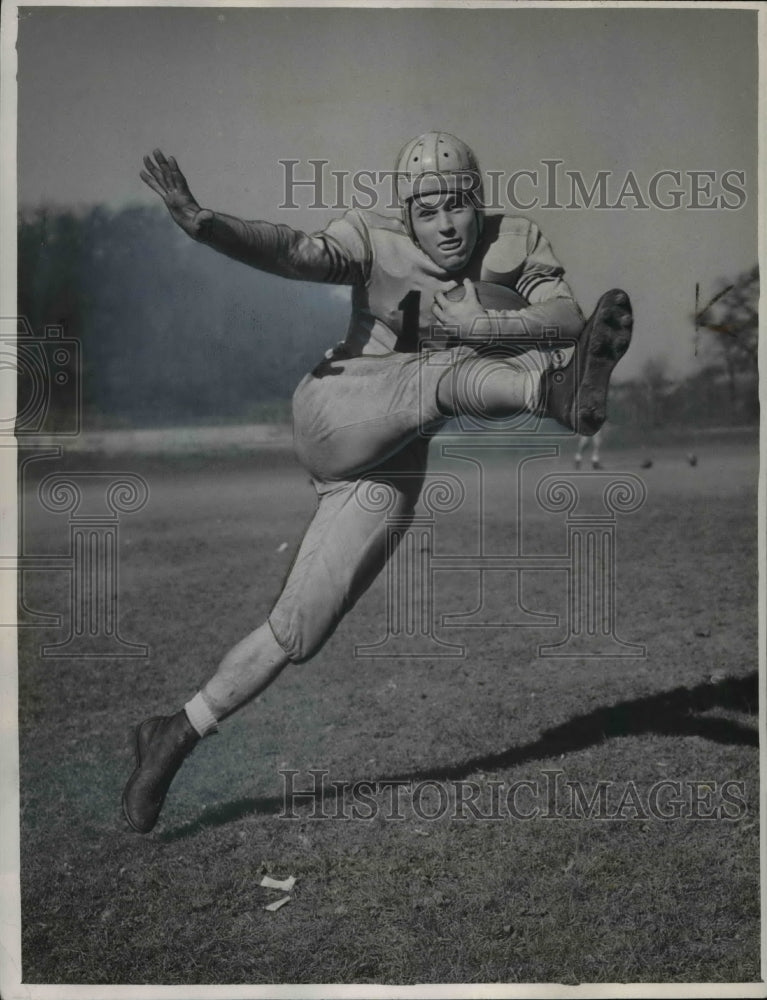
<point x="348" y="244"/>
<point x="552" y="310"/>
<point x="340" y="254"/>
<point x="541" y="278"/>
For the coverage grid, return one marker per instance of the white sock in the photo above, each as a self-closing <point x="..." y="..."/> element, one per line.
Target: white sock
<point x="200" y="716"/>
<point x="560" y="357"/>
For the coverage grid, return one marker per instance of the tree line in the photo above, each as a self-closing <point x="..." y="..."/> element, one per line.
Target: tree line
<point x="724" y="389"/>
<point x="169" y="331"/>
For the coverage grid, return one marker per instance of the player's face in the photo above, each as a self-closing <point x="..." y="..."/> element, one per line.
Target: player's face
<point x="445" y="226"/>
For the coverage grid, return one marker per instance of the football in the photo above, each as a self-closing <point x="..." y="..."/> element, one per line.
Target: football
<point x="491" y="296"/>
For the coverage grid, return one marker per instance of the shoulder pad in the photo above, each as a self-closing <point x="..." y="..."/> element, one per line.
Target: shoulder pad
<point x="374" y="220"/>
<point x="514" y="225"/>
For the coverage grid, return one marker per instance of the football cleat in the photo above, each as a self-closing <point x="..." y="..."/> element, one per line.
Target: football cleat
<point x="161" y="744"/>
<point x="576" y="396"/>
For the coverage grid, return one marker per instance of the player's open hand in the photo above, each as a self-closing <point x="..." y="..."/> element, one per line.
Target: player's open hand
<point x="164" y="178"/>
<point x="464" y="316"/>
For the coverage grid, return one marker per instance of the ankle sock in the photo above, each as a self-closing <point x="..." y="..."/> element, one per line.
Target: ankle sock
<point x="560" y="357"/>
<point x="200" y="716"/>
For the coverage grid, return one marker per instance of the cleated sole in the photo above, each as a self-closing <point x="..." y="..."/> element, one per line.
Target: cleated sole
<point x="608" y="340"/>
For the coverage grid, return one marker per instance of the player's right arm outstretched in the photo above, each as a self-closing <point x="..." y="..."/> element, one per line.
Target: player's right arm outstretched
<point x="277" y="249"/>
<point x="164" y="178"/>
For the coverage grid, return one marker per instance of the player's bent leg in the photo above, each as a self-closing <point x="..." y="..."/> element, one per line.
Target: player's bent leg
<point x="345" y="547"/>
<point x="343" y="550"/>
<point x="576" y="396"/>
<point x="352" y="415"/>
<point x="492" y="387"/>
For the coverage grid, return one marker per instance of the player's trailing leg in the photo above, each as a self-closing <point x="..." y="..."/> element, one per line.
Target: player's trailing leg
<point x="576" y="396"/>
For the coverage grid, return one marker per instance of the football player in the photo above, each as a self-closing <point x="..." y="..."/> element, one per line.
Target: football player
<point x="595" y="442"/>
<point x="415" y="355"/>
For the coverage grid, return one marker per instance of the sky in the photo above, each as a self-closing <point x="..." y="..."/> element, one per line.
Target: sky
<point x="233" y="91"/>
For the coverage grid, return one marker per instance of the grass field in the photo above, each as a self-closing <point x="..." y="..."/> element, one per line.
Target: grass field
<point x="551" y="898"/>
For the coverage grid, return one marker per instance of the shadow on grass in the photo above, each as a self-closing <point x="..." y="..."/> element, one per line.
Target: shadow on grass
<point x="671" y="713"/>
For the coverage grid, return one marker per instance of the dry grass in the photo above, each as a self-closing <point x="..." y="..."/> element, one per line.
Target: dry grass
<point x="453" y="901"/>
